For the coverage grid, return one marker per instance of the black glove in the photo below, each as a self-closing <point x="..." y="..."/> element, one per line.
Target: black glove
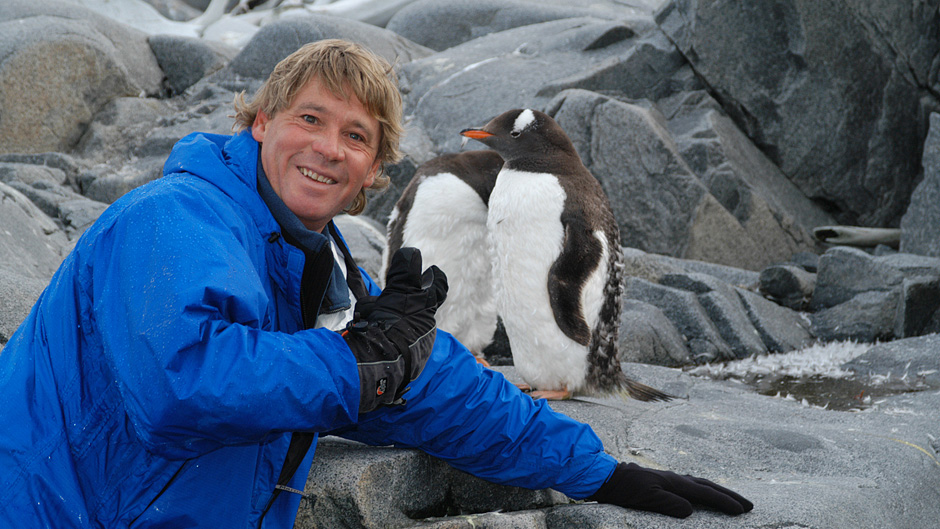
<point x="392" y="334"/>
<point x="665" y="492"/>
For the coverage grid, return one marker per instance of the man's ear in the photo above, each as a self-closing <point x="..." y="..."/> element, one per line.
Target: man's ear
<point x="373" y="173"/>
<point x="259" y="127"/>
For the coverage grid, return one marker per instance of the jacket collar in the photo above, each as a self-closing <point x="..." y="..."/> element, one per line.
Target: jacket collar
<point x="336" y="297"/>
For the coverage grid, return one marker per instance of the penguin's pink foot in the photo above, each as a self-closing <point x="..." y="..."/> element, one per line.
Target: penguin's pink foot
<point x="556" y="394"/>
<point x="481" y="359"/>
<point x="524" y="387"/>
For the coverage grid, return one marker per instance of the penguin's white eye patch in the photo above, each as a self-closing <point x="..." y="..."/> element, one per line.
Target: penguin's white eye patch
<point x="523" y="120"/>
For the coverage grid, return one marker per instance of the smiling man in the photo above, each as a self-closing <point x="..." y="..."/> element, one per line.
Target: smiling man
<point x="211" y="324"/>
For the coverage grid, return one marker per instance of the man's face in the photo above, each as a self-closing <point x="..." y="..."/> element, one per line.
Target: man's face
<point x="318" y="153"/>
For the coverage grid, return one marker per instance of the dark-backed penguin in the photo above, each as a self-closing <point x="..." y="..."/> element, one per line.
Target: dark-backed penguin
<point x="443" y="213"/>
<point x="557" y="262"/>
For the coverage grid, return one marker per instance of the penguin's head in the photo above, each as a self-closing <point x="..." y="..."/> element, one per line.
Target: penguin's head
<point x="522" y="132"/>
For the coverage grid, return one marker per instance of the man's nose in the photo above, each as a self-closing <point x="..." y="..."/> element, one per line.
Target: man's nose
<point x="329" y="145"/>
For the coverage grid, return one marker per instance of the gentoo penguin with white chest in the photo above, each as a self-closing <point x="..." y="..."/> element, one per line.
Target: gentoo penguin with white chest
<point x="443" y="213"/>
<point x="557" y="261"/>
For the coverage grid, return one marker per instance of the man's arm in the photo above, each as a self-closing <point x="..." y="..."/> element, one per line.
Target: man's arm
<point x="185" y="323"/>
<point x="478" y="422"/>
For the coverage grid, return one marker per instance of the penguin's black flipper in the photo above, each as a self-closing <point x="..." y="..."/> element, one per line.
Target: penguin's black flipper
<point x="580" y="255"/>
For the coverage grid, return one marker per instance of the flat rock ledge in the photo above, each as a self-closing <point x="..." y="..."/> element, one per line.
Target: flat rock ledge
<point x="802" y="466"/>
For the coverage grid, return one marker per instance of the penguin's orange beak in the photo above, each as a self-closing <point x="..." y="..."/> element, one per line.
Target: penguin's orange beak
<point x="476" y="134"/>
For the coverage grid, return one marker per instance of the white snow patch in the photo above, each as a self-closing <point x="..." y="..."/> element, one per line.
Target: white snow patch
<point x="816" y="360"/>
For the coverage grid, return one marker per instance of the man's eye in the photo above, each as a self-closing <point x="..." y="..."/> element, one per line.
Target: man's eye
<point x="357" y="137"/>
<point x="310" y="119"/>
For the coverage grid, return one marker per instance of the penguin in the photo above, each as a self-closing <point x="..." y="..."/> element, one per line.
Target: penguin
<point x="443" y="213"/>
<point x="557" y="262"/>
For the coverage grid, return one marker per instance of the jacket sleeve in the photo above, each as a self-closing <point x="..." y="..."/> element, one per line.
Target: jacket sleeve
<point x="184" y="321"/>
<point x="480" y="423"/>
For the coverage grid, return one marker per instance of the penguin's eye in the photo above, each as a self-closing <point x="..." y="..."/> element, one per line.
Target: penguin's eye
<point x="515" y="133"/>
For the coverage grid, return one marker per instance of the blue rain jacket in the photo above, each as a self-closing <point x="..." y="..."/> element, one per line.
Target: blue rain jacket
<point x="157" y="379"/>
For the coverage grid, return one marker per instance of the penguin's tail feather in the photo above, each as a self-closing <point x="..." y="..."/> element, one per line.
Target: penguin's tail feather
<point x="643" y="392"/>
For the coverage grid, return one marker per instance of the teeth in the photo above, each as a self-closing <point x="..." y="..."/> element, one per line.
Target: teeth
<point x="315" y="177"/>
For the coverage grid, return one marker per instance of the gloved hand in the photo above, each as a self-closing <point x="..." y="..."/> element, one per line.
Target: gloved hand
<point x="665" y="492"/>
<point x="392" y="334"/>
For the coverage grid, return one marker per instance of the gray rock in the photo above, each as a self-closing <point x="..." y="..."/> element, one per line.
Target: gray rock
<point x="724" y="308"/>
<point x="31" y="244"/>
<point x="648" y="266"/>
<point x="277" y="40"/>
<point x="83" y="59"/>
<point x="647" y="336"/>
<point x="107" y="184"/>
<point x="920" y="226"/>
<point x="212" y="114"/>
<point x="683" y="309"/>
<point x="845" y="272"/>
<point x="725" y="297"/>
<point x="911" y="265"/>
<point x="55" y="160"/>
<point x="918" y="307"/>
<point x="866" y="317"/>
<point x="652" y="192"/>
<point x="380" y="204"/>
<point x="741" y="177"/>
<point x="836" y="119"/>
<point x="121" y="126"/>
<point x="781" y="329"/>
<point x="733" y="276"/>
<point x="18" y="293"/>
<point x="788" y="285"/>
<point x="494" y="520"/>
<point x="30" y="174"/>
<point x="442" y="24"/>
<point x="913" y="361"/>
<point x="808" y="261"/>
<point x="661" y="204"/>
<point x="468" y="84"/>
<point x="352" y="485"/>
<point x="74" y="211"/>
<point x="365" y="240"/>
<point x="178" y="10"/>
<point x="186" y="60"/>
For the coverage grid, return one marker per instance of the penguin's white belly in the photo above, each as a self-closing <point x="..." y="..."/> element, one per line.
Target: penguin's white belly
<point x="526" y="236"/>
<point x="447" y="222"/>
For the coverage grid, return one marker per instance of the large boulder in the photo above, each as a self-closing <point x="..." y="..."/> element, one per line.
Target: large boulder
<point x="59" y="64"/>
<point x="18" y="293"/>
<point x="31" y="243"/>
<point x="863" y="297"/>
<point x="663" y="206"/>
<point x="442" y="24"/>
<point x="920" y="226"/>
<point x="279" y="39"/>
<point x="525" y="67"/>
<point x="828" y="89"/>
<point x="186" y="60"/>
<point x="743" y="179"/>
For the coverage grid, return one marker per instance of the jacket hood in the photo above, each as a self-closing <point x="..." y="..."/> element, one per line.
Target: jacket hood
<point x="227" y="162"/>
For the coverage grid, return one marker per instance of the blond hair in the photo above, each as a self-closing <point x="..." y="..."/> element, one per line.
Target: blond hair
<point x="340" y="66"/>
